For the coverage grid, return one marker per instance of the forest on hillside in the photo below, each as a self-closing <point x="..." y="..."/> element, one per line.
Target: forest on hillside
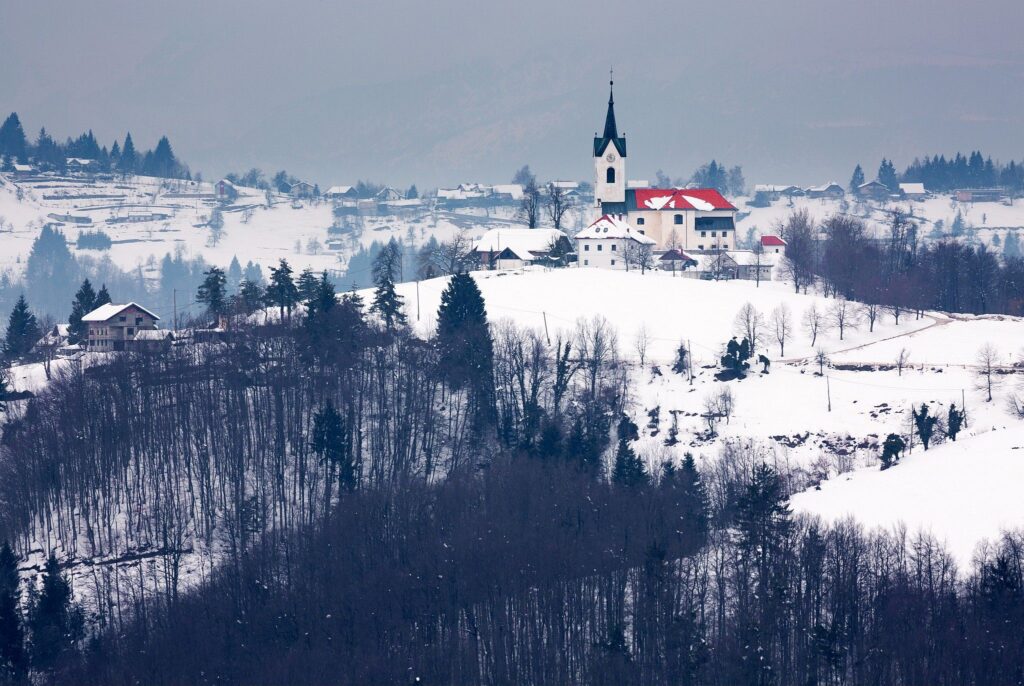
<point x="465" y="509"/>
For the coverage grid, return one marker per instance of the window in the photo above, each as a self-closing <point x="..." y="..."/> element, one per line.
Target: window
<point x="640" y="221"/>
<point x="609" y="176"/>
<point x="678" y="219"/>
<point x="700" y="247"/>
<point x="138" y="321"/>
<point x="586" y="247"/>
<point x="703" y="234"/>
<point x="725" y="246"/>
<point x="130" y="331"/>
<point x="121" y="318"/>
<point x="613" y="247"/>
<point x="586" y="263"/>
<point x="714" y="234"/>
<point x="613" y="263"/>
<point x="599" y="247"/>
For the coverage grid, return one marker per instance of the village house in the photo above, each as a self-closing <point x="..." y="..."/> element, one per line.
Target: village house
<point x="339" y="193"/>
<point x="913" y="191"/>
<point x="111" y="326"/>
<point x="692" y="218"/>
<point x="153" y="340"/>
<point x="675" y="260"/>
<point x="979" y="194"/>
<point x="611" y="243"/>
<point x="774" y="192"/>
<point x="875" y="190"/>
<point x="225" y="191"/>
<point x="829" y="190"/>
<point x="80" y="165"/>
<point x="773" y="245"/>
<point x="389" y="194"/>
<point x="515" y="248"/>
<point x="301" y="189"/>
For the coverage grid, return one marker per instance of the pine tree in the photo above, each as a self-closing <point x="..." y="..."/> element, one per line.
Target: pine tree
<point x="1011" y="246"/>
<point x="857" y="180"/>
<point x="55" y="624"/>
<point x="332" y="443"/>
<point x="12" y="635"/>
<point x="629" y="469"/>
<point x="83" y="304"/>
<point x="386" y="301"/>
<point x="307" y="285"/>
<point x="22" y="330"/>
<point x="103" y="297"/>
<point x="463" y="334"/>
<point x="679" y="366"/>
<point x="282" y="291"/>
<point x="250" y="296"/>
<point x="958" y="225"/>
<point x="129" y="160"/>
<point x="234" y="275"/>
<point x="212" y="292"/>
<point x="887" y="175"/>
<point x="13" y="143"/>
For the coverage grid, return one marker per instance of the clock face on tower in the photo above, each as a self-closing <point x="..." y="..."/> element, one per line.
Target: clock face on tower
<point x="610" y="157"/>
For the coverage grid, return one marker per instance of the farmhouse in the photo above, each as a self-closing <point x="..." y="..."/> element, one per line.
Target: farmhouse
<point x="611" y="243"/>
<point x="913" y="191"/>
<point x="874" y="189"/>
<point x="301" y="189"/>
<point x="226" y="191"/>
<point x="340" y="193"/>
<point x="774" y="245"/>
<point x="515" y="248"/>
<point x="829" y="190"/>
<point x="112" y="326"/>
<point x="693" y="218"/>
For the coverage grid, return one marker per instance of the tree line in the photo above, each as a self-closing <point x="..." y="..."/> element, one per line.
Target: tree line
<point x="943" y="174"/>
<point x="49" y="154"/>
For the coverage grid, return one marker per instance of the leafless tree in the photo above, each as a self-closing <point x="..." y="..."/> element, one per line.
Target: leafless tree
<point x="799" y="263"/>
<point x="725" y="403"/>
<point x="749" y="324"/>
<point x="870" y="312"/>
<point x="782" y="324"/>
<point x="987" y="372"/>
<point x="814" y="322"/>
<point x="640" y="343"/>
<point x="902" y="359"/>
<point x="821" y="357"/>
<point x="842" y="315"/>
<point x="530" y="205"/>
<point x="558" y="203"/>
<point x="452" y="256"/>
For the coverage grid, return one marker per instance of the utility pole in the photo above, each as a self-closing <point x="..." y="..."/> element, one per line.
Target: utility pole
<point x="963" y="405"/>
<point x="828" y="390"/>
<point x="546" y="334"/>
<point x="689" y="359"/>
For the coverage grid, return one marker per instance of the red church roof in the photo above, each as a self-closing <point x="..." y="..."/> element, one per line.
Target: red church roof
<point x="703" y="199"/>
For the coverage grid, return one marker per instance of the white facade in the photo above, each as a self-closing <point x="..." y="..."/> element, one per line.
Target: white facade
<point x="610" y="243"/>
<point x="609" y="165"/>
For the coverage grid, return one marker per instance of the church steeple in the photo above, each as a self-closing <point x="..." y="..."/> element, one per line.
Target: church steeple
<point x="610" y="130"/>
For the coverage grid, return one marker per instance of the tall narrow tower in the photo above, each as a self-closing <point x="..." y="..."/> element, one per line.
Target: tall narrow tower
<point x="610" y="159"/>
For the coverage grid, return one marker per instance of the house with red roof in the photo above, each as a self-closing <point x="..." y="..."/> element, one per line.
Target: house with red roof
<point x="696" y="219"/>
<point x="773" y="245"/>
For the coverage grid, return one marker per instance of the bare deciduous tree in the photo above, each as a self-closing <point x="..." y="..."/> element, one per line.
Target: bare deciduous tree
<point x="842" y="315"/>
<point x="558" y="203"/>
<point x="902" y="360"/>
<point x="640" y="343"/>
<point x="530" y="205"/>
<point x="814" y="322"/>
<point x="782" y="325"/>
<point x="987" y="361"/>
<point x="749" y="324"/>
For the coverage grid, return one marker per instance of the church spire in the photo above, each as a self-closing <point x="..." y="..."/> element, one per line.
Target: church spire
<point x="610" y="130"/>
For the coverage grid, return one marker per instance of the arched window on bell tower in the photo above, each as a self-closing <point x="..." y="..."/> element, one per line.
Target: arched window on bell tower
<point x="609" y="176"/>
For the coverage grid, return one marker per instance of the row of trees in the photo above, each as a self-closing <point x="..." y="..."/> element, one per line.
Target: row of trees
<point x="897" y="271"/>
<point x="50" y="154"/>
<point x="939" y="173"/>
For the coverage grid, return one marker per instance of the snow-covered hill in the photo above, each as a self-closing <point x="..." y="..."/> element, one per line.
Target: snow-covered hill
<point x="813" y="427"/>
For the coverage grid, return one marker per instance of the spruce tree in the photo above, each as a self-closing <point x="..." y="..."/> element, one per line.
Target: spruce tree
<point x="387" y="304"/>
<point x="83" y="304"/>
<point x="307" y="285"/>
<point x="55" y="624"/>
<point x="629" y="469"/>
<point x="103" y="297"/>
<point x="129" y="161"/>
<point x="857" y="180"/>
<point x="12" y="634"/>
<point x="22" y="330"/>
<point x="212" y="292"/>
<point x="282" y="291"/>
<point x="466" y="350"/>
<point x="250" y="296"/>
<point x="13" y="143"/>
<point x="234" y="275"/>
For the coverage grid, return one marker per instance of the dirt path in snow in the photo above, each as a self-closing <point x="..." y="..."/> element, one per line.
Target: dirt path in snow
<point x="937" y="320"/>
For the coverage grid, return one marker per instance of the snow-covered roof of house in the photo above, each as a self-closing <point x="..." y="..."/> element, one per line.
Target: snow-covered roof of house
<point x="675" y="255"/>
<point x="701" y="199"/>
<point x="872" y="184"/>
<point x="338" y="190"/>
<point x="106" y="312"/>
<point x="154" y="335"/>
<point x="23" y="167"/>
<point x="301" y="183"/>
<point x="772" y="241"/>
<point x="227" y="182"/>
<point x="613" y="226"/>
<point x="512" y="189"/>
<point x="750" y="258"/>
<point x="567" y="185"/>
<point x="773" y="188"/>
<point x="913" y="188"/>
<point x="523" y="242"/>
<point x="821" y="189"/>
<point x="79" y="160"/>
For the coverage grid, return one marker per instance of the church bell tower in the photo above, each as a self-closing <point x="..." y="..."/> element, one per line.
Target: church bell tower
<point x="610" y="161"/>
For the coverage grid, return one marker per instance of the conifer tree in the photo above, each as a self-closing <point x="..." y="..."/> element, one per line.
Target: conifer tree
<point x="954" y="421"/>
<point x="54" y="623"/>
<point x="387" y="304"/>
<point x="307" y="285"/>
<point x="332" y="444"/>
<point x="282" y="291"/>
<point x="891" y="450"/>
<point x="234" y="275"/>
<point x="212" y="292"/>
<point x="925" y="424"/>
<point x="103" y="297"/>
<point x="12" y="634"/>
<point x="466" y="350"/>
<point x="22" y="330"/>
<point x="250" y="296"/>
<point x="83" y="304"/>
<point x="857" y="180"/>
<point x="129" y="160"/>
<point x="629" y="469"/>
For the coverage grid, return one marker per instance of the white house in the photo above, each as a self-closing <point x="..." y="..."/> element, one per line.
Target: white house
<point x="611" y="243"/>
<point x="515" y="248"/>
<point x="913" y="191"/>
<point x="110" y="326"/>
<point x="340" y="193"/>
<point x="774" y="245"/>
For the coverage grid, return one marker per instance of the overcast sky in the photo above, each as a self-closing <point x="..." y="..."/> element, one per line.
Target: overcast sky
<point x="446" y="91"/>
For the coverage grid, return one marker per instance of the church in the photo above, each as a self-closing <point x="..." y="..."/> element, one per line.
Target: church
<point x="693" y="219"/>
